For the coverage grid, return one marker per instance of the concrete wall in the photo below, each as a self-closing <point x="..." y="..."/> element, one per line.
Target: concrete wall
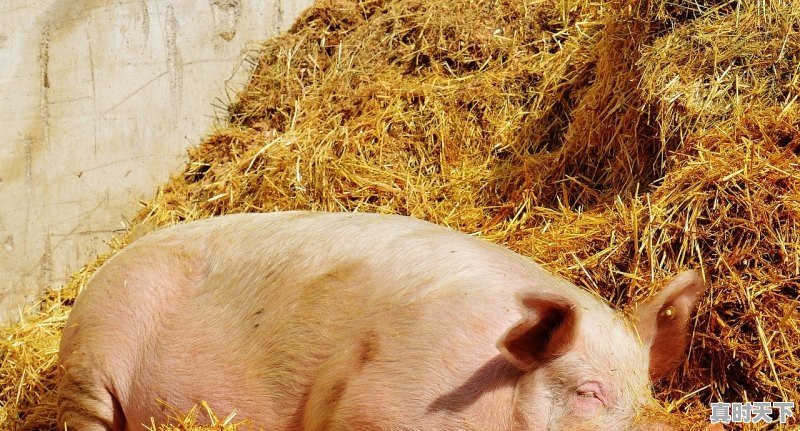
<point x="98" y="102"/>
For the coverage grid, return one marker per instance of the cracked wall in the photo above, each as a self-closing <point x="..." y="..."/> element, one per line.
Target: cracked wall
<point x="98" y="102"/>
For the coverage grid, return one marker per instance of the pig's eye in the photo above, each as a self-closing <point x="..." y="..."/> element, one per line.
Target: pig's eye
<point x="590" y="394"/>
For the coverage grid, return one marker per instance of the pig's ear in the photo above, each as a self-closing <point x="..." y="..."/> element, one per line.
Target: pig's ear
<point x="663" y="321"/>
<point x="547" y="330"/>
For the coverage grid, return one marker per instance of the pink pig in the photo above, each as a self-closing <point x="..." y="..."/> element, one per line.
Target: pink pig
<point x="320" y="321"/>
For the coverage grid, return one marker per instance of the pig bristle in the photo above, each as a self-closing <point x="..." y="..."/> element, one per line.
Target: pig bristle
<point x="615" y="142"/>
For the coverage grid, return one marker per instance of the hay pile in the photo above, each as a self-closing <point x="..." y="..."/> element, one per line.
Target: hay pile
<point x="614" y="141"/>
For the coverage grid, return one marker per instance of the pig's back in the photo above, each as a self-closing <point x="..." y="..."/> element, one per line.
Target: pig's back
<point x="254" y="311"/>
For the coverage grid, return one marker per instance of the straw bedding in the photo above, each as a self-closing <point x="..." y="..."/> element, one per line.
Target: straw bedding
<point x="616" y="142"/>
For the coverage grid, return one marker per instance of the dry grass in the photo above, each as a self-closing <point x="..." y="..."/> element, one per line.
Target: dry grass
<point x="615" y="142"/>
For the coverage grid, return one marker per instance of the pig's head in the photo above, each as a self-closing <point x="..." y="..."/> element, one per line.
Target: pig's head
<point x="588" y="368"/>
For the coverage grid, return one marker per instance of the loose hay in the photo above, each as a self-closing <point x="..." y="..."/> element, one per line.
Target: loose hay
<point x="613" y="141"/>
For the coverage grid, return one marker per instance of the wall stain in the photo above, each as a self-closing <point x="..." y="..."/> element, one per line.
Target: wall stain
<point x="94" y="88"/>
<point x="277" y="16"/>
<point x="27" y="145"/>
<point x="145" y="21"/>
<point x="226" y="15"/>
<point x="65" y="14"/>
<point x="44" y="83"/>
<point x="174" y="63"/>
<point x="8" y="243"/>
<point x="47" y="263"/>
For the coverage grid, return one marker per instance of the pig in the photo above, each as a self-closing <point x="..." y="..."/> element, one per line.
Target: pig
<point x="349" y="321"/>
